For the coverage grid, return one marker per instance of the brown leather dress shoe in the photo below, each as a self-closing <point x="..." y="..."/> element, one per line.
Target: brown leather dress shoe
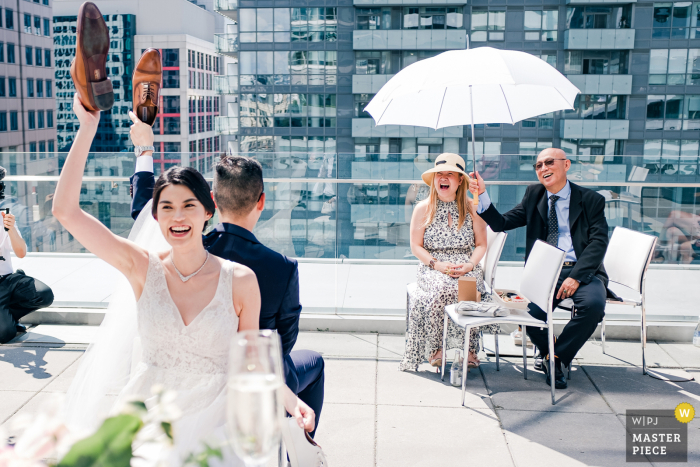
<point x="146" y="83"/>
<point x="89" y="68"/>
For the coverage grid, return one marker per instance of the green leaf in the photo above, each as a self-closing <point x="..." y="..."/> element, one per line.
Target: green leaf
<point x="167" y="429"/>
<point x="110" y="446"/>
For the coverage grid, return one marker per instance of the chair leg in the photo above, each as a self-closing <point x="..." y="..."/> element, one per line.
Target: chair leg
<point x="281" y="455"/>
<point x="465" y="371"/>
<point x="495" y="339"/>
<point x="644" y="338"/>
<point x="481" y="336"/>
<point x="602" y="334"/>
<point x="444" y="344"/>
<point x="552" y="355"/>
<point x="524" y="331"/>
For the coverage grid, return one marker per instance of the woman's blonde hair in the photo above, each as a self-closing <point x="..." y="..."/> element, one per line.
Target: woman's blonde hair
<point x="464" y="207"/>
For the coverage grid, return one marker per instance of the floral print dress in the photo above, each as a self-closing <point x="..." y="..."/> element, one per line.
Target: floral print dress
<point x="437" y="290"/>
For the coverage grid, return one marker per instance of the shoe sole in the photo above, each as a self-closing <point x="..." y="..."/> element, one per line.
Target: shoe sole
<point x="93" y="40"/>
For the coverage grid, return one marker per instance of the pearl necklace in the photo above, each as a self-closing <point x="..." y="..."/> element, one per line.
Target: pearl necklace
<point x="186" y="278"/>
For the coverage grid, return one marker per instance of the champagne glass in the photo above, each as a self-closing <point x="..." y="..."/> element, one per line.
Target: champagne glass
<point x="255" y="410"/>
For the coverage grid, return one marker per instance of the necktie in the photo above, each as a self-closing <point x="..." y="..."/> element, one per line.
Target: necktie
<point x="553" y="224"/>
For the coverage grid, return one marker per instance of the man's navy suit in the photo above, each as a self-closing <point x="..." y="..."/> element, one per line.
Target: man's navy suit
<point x="278" y="279"/>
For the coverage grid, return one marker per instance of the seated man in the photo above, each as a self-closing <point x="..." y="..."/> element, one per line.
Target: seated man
<point x="19" y="293"/>
<point x="240" y="200"/>
<point x="572" y="218"/>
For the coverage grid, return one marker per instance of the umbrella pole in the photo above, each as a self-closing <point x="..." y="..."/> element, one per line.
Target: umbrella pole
<point x="475" y="201"/>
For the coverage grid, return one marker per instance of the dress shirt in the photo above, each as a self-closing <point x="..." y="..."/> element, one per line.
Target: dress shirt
<point x="562" y="207"/>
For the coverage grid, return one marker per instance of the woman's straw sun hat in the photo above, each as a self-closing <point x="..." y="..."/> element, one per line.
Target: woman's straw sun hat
<point x="446" y="162"/>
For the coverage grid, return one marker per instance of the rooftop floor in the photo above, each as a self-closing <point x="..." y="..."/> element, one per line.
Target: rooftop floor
<point x="377" y="416"/>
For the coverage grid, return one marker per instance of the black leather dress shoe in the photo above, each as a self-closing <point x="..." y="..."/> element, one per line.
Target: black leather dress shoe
<point x="20" y="327"/>
<point x="559" y="377"/>
<point x="538" y="361"/>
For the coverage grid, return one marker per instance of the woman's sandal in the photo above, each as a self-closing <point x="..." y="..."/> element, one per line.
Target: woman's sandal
<point x="473" y="363"/>
<point x="436" y="360"/>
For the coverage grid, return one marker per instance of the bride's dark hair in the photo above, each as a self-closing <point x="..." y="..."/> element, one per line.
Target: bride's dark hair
<point x="187" y="177"/>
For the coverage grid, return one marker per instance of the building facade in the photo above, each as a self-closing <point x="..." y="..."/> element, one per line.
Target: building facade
<point x="27" y="105"/>
<point x="306" y="72"/>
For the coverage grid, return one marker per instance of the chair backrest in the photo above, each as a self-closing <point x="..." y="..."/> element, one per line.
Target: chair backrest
<point x="541" y="274"/>
<point x="628" y="257"/>
<point x="494" y="248"/>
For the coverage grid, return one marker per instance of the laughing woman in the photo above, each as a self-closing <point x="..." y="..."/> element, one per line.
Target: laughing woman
<point x="449" y="239"/>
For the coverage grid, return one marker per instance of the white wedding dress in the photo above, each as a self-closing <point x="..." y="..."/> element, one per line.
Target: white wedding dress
<point x="191" y="360"/>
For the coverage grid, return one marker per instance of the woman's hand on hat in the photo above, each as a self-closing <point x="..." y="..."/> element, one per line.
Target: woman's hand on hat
<point x="476" y="183"/>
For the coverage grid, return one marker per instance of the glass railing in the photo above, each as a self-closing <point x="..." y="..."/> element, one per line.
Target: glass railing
<point x="226" y="125"/>
<point x="226" y="43"/>
<point x="225" y="84"/>
<point x="329" y="206"/>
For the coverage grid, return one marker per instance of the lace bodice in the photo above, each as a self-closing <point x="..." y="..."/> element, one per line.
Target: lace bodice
<point x="201" y="347"/>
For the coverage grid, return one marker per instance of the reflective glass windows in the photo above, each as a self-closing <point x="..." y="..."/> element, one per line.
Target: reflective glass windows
<point x="671" y="156"/>
<point x="673" y="112"/>
<point x="674" y="66"/>
<point x="541" y="25"/>
<point x="598" y="107"/>
<point x="488" y="24"/>
<point x="596" y="62"/>
<point x="599" y="17"/>
<point x="296" y="67"/>
<point x="288" y="110"/>
<point x="677" y="20"/>
<point x="288" y="24"/>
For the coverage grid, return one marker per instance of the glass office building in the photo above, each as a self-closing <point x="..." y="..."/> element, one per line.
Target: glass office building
<point x="307" y="72"/>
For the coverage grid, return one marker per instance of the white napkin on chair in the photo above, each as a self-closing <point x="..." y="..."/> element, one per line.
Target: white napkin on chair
<point x="483" y="309"/>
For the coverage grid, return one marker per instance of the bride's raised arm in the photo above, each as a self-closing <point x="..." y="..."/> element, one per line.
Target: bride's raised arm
<point x="130" y="259"/>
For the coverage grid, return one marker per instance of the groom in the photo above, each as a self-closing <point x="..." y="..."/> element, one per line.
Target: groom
<point x="239" y="196"/>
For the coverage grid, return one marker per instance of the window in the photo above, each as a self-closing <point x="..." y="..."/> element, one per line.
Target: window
<point x="37" y="57"/>
<point x="3" y="121"/>
<point x="171" y="57"/>
<point x="31" y="119"/>
<point x="2" y="52"/>
<point x="47" y="57"/>
<point x="10" y="53"/>
<point x="592" y="147"/>
<point x="361" y="101"/>
<point x="598" y="107"/>
<point x="288" y="110"/>
<point x="210" y="126"/>
<point x="671" y="156"/>
<point x="49" y="91"/>
<point x="2" y="86"/>
<point x="14" y="121"/>
<point x="676" y="20"/>
<point x="46" y="2"/>
<point x="47" y="27"/>
<point x="314" y="67"/>
<point x="37" y="25"/>
<point x="40" y="119"/>
<point x="288" y="24"/>
<point x="171" y="104"/>
<point x="12" y="87"/>
<point x="171" y="79"/>
<point x="32" y="147"/>
<point x="39" y="88"/>
<point x="674" y="66"/>
<point x="27" y="23"/>
<point x="171" y="125"/>
<point x="193" y="125"/>
<point x="485" y="22"/>
<point x="200" y="123"/>
<point x="29" y="55"/>
<point x="541" y="25"/>
<point x="595" y="62"/>
<point x="216" y="105"/>
<point x="598" y="17"/>
<point x="9" y="19"/>
<point x="42" y="146"/>
<point x="30" y="87"/>
<point x="550" y="58"/>
<point x="51" y="146"/>
<point x="49" y="119"/>
<point x="673" y="112"/>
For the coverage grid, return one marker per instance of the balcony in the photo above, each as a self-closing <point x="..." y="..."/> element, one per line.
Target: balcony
<point x="600" y="84"/>
<point x="599" y="39"/>
<point x="594" y="129"/>
<point x="226" y="125"/>
<point x="365" y="128"/>
<point x="369" y="84"/>
<point x="226" y="84"/>
<point x="409" y="39"/>
<point x="226" y="44"/>
<point x="227" y="8"/>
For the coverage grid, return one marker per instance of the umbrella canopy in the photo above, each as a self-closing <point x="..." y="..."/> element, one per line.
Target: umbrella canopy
<point x="507" y="86"/>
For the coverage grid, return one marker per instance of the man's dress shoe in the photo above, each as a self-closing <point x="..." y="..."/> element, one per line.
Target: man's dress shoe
<point x="559" y="377"/>
<point x="89" y="68"/>
<point x="146" y="83"/>
<point x="20" y="327"/>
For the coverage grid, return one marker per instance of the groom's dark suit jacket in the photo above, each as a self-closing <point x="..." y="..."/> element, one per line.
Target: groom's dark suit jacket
<point x="589" y="229"/>
<point x="278" y="276"/>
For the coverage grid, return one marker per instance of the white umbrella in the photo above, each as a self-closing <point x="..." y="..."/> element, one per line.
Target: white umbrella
<point x="467" y="87"/>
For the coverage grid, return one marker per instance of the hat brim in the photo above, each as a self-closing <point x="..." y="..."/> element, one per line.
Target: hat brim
<point x="429" y="175"/>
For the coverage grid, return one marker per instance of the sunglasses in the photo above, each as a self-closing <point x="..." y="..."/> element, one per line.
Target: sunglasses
<point x="546" y="162"/>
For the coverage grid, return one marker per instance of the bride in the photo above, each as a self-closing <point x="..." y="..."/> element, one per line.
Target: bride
<point x="185" y="307"/>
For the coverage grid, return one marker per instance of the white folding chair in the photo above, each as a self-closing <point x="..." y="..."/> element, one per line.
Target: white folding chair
<point x="538" y="286"/>
<point x="626" y="262"/>
<point x="495" y="242"/>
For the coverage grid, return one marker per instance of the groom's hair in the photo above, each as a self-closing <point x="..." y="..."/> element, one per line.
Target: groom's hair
<point x="238" y="184"/>
<point x="187" y="177"/>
